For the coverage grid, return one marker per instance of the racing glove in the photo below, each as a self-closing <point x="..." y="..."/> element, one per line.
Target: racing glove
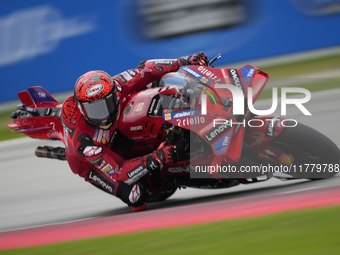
<point x="164" y="156"/>
<point x="196" y="59"/>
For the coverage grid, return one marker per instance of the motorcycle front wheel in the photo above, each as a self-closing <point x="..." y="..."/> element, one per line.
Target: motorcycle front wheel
<point x="315" y="155"/>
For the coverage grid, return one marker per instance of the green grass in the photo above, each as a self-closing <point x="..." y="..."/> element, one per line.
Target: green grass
<point x="5" y="132"/>
<point x="314" y="231"/>
<point x="312" y="87"/>
<point x="302" y="67"/>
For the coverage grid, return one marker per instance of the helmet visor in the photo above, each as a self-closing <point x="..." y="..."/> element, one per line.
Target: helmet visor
<point x="100" y="112"/>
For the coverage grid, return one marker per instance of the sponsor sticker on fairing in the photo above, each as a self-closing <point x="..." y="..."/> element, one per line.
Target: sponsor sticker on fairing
<point x="139" y="107"/>
<point x="222" y="144"/>
<point x="204" y="80"/>
<point x="225" y="76"/>
<point x="236" y="79"/>
<point x="217" y="131"/>
<point x="286" y="159"/>
<point x="182" y="114"/>
<point x="207" y="128"/>
<point x="270" y="129"/>
<point x="40" y="94"/>
<point x="196" y="74"/>
<point x="182" y="122"/>
<point x="247" y="73"/>
<point x="153" y="105"/>
<point x="207" y="73"/>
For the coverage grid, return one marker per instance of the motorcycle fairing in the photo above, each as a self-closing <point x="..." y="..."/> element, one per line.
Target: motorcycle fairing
<point x="41" y="97"/>
<point x="39" y="116"/>
<point x="141" y="124"/>
<point x="37" y="97"/>
<point x="260" y="138"/>
<point x="248" y="73"/>
<point x="217" y="107"/>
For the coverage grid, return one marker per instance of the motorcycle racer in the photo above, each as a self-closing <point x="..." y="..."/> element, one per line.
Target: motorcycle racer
<point x="91" y="117"/>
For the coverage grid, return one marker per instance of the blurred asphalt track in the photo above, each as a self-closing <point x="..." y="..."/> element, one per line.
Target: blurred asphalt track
<point x="198" y="213"/>
<point x="37" y="191"/>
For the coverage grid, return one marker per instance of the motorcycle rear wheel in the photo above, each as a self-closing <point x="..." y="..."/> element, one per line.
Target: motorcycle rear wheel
<point x="308" y="147"/>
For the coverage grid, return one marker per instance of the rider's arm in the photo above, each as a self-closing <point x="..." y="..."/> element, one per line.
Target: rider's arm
<point x="152" y="70"/>
<point x="115" y="167"/>
<point x="108" y="162"/>
<point x="100" y="166"/>
<point x="114" y="174"/>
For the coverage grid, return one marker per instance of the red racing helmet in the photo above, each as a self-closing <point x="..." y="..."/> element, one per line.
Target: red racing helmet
<point x="96" y="94"/>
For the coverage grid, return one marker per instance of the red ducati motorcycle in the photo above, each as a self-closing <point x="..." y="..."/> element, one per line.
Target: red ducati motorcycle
<point x="215" y="147"/>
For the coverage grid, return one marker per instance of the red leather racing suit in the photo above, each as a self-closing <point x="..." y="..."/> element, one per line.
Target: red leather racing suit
<point x="88" y="149"/>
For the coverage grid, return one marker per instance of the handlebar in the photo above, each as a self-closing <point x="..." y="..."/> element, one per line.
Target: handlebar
<point x="214" y="59"/>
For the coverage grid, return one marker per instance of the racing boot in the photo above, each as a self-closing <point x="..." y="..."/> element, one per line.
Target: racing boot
<point x="135" y="195"/>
